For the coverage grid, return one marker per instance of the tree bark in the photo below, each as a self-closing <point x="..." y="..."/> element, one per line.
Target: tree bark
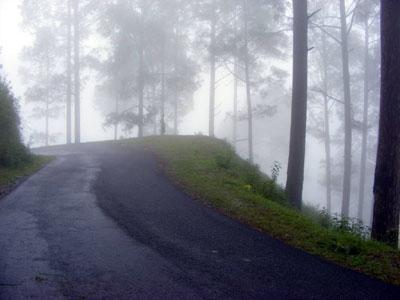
<point x="69" y="74"/>
<point x="385" y="225"/>
<point x="347" y="113"/>
<point x="116" y="123"/>
<point x="327" y="127"/>
<point x="235" y="103"/>
<point x="77" y="73"/>
<point x="141" y="93"/>
<point x="235" y="86"/>
<point x="295" y="173"/>
<point x="141" y="72"/>
<point x="212" y="73"/>
<point x="363" y="164"/>
<point x="248" y="83"/>
<point x="162" y="117"/>
<point x="47" y="113"/>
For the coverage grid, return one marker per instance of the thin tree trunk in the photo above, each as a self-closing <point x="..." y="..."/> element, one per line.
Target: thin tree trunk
<point x="248" y="84"/>
<point x="176" y="112"/>
<point x="141" y="72"/>
<point x="162" y="118"/>
<point x="47" y="116"/>
<point x="295" y="174"/>
<point x="363" y="163"/>
<point x="77" y="73"/>
<point x="385" y="225"/>
<point x="212" y="73"/>
<point x="235" y="87"/>
<point x="347" y="113"/>
<point x="141" y="93"/>
<point x="155" y="100"/>
<point x="235" y="104"/>
<point x="327" y="128"/>
<point x="69" y="74"/>
<point x="116" y="123"/>
<point x="47" y="122"/>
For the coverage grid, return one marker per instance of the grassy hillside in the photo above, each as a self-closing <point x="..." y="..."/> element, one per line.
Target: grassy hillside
<point x="210" y="170"/>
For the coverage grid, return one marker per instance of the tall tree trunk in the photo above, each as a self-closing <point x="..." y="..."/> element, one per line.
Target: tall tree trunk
<point x="212" y="72"/>
<point x="235" y="104"/>
<point x="347" y="113"/>
<point x="141" y="93"/>
<point x="295" y="174"/>
<point x="363" y="163"/>
<point x="248" y="83"/>
<point x="77" y="82"/>
<point x="235" y="86"/>
<point x="176" y="93"/>
<point x="47" y="113"/>
<point x="69" y="73"/>
<point x="116" y="123"/>
<point x="385" y="225"/>
<point x="327" y="127"/>
<point x="47" y="122"/>
<point x="162" y="117"/>
<point x="176" y="111"/>
<point x="141" y="70"/>
<point x="155" y="98"/>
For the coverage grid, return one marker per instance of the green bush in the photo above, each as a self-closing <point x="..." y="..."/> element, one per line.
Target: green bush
<point x="12" y="151"/>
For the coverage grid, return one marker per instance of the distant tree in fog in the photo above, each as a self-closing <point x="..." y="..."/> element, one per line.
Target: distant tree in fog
<point x="249" y="34"/>
<point x="62" y="22"/>
<point x="149" y="53"/>
<point x="42" y="75"/>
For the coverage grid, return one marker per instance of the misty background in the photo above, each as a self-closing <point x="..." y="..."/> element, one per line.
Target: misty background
<point x="272" y="96"/>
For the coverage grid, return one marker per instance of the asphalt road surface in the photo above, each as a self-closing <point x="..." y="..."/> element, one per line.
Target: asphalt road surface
<point x="102" y="222"/>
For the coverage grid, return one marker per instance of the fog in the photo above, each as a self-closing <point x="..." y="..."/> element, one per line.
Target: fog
<point x="272" y="71"/>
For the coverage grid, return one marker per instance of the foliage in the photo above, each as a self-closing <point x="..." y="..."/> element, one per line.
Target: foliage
<point x="338" y="223"/>
<point x="12" y="151"/>
<point x="11" y="175"/>
<point x="209" y="170"/>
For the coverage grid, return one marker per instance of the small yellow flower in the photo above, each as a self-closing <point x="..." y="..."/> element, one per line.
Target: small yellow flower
<point x="247" y="187"/>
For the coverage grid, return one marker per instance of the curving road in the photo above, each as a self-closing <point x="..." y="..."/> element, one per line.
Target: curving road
<point x="102" y="222"/>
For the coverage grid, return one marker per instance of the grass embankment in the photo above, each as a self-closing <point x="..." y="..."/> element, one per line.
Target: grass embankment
<point x="210" y="170"/>
<point x="10" y="176"/>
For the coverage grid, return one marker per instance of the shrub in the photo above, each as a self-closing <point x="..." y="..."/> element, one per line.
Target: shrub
<point x="12" y="151"/>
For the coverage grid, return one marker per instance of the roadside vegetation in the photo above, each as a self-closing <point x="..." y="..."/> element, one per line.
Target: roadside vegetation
<point x="209" y="170"/>
<point x="16" y="161"/>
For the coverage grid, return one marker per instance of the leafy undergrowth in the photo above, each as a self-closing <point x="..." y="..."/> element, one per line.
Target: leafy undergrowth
<point x="9" y="176"/>
<point x="211" y="171"/>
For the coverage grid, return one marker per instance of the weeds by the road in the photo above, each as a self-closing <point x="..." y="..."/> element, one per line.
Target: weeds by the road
<point x="210" y="170"/>
<point x="9" y="176"/>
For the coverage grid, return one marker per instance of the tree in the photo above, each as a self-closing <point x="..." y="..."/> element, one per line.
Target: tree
<point x="77" y="80"/>
<point x="69" y="72"/>
<point x="366" y="16"/>
<point x="43" y="77"/>
<point x="250" y="34"/>
<point x="12" y="151"/>
<point x="385" y="226"/>
<point x="149" y="54"/>
<point x="348" y="118"/>
<point x="295" y="174"/>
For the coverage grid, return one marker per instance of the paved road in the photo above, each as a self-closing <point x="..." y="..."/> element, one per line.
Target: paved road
<point x="102" y="222"/>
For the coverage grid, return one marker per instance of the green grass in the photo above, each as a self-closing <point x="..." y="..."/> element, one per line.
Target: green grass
<point x="209" y="170"/>
<point x="11" y="175"/>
